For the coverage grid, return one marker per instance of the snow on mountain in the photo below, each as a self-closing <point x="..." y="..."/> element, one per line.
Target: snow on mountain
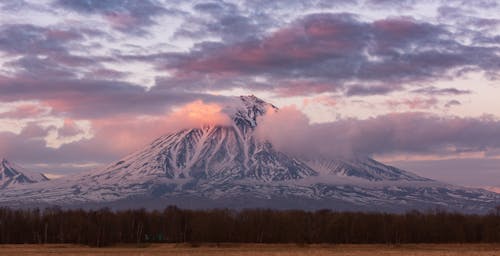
<point x="362" y="167"/>
<point x="12" y="175"/>
<point x="227" y="166"/>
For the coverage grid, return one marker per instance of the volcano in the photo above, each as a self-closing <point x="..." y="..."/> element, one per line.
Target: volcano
<point x="12" y="175"/>
<point x="229" y="167"/>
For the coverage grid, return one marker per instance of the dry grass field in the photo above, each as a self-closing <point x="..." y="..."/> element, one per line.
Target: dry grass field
<point x="263" y="250"/>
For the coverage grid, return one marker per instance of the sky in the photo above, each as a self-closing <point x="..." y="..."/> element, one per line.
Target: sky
<point x="411" y="83"/>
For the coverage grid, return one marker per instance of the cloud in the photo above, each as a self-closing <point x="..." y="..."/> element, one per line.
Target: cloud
<point x="88" y="98"/>
<point x="303" y="88"/>
<point x="433" y="91"/>
<point x="364" y="90"/>
<point x="224" y="20"/>
<point x="197" y="114"/>
<point x="122" y="135"/>
<point x="452" y="103"/>
<point x="48" y="52"/>
<point x="33" y="40"/>
<point x="70" y="131"/>
<point x="100" y="140"/>
<point x="416" y="133"/>
<point x="24" y="110"/>
<point x="339" y="50"/>
<point x="323" y="100"/>
<point x="131" y="17"/>
<point x="413" y="103"/>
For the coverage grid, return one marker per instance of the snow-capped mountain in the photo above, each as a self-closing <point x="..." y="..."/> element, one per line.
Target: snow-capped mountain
<point x="14" y="175"/>
<point x="227" y="166"/>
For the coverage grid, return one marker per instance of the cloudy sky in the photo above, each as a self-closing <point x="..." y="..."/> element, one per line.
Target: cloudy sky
<point x="414" y="83"/>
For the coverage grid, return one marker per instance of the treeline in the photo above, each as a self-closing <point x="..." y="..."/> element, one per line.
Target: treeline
<point x="173" y="225"/>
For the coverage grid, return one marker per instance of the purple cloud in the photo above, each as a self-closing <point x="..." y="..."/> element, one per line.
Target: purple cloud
<point x="340" y="48"/>
<point x="433" y="91"/>
<point x="415" y="133"/>
<point x="131" y="17"/>
<point x="31" y="39"/>
<point x="225" y="20"/>
<point x="363" y="90"/>
<point x="452" y="103"/>
<point x="90" y="98"/>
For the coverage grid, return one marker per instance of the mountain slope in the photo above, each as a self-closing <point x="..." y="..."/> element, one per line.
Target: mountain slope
<point x="227" y="166"/>
<point x="364" y="168"/>
<point x="13" y="175"/>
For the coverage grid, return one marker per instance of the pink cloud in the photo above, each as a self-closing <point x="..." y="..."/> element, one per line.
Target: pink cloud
<point x="25" y="111"/>
<point x="124" y="134"/>
<point x="116" y="135"/>
<point x="303" y="40"/>
<point x="398" y="27"/>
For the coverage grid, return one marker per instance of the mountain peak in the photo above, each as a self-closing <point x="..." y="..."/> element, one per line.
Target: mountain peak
<point x="11" y="174"/>
<point x="228" y="166"/>
<point x="251" y="98"/>
<point x="246" y="108"/>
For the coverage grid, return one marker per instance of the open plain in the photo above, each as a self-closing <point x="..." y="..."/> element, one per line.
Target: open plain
<point x="254" y="249"/>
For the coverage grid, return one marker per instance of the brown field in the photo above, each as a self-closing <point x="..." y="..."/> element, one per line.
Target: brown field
<point x="241" y="250"/>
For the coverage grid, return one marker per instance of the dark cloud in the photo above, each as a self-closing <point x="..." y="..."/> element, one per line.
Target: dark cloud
<point x="341" y="48"/>
<point x="362" y="90"/>
<point x="46" y="51"/>
<point x="106" y="74"/>
<point x="41" y="67"/>
<point x="31" y="39"/>
<point x="452" y="103"/>
<point x="434" y="91"/>
<point x="45" y="70"/>
<point x="92" y="98"/>
<point x="22" y="6"/>
<point x="225" y="20"/>
<point x="127" y="16"/>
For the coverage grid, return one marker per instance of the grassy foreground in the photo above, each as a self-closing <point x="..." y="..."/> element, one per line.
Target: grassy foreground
<point x="254" y="249"/>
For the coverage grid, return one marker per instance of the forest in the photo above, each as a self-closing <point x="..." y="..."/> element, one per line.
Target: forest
<point x="105" y="227"/>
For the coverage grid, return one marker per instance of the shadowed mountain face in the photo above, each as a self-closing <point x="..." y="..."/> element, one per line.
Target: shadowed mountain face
<point x="13" y="175"/>
<point x="227" y="166"/>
